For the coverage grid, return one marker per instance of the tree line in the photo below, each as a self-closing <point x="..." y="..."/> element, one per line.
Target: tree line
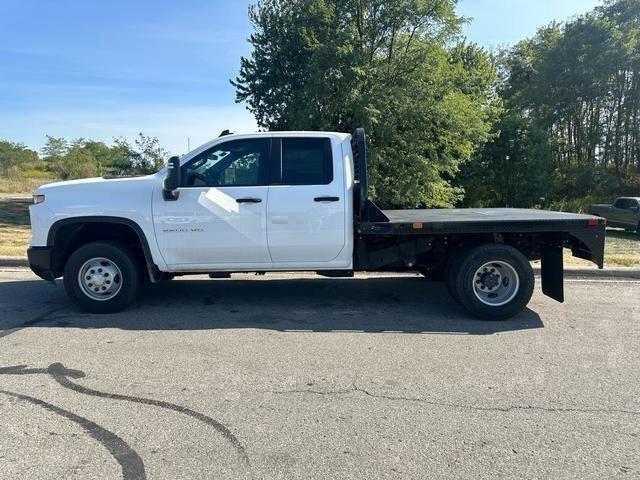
<point x="552" y="121"/>
<point x="570" y="125"/>
<point x="81" y="158"/>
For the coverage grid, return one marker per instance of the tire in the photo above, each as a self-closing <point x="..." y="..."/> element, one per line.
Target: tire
<point x="452" y="268"/>
<point x="493" y="281"/>
<point x="116" y="274"/>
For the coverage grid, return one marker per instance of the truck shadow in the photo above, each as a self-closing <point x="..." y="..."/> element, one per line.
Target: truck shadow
<point x="373" y="305"/>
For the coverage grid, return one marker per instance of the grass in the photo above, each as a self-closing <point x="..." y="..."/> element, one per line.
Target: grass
<point x="14" y="241"/>
<point x="622" y="248"/>
<point x="15" y="230"/>
<point x="22" y="185"/>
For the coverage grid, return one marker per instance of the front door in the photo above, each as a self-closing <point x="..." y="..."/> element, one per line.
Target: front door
<point x="629" y="214"/>
<point x="623" y="213"/>
<point x="219" y="218"/>
<point x="306" y="210"/>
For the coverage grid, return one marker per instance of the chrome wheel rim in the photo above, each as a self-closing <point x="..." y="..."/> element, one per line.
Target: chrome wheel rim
<point x="496" y="283"/>
<point x="100" y="279"/>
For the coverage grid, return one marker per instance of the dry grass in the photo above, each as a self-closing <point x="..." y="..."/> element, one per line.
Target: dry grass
<point x="14" y="241"/>
<point x="22" y="185"/>
<point x="15" y="230"/>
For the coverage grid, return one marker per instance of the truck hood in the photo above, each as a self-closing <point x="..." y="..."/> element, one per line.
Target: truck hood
<point x="97" y="183"/>
<point x="118" y="197"/>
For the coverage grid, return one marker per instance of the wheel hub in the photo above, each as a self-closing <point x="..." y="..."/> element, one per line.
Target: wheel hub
<point x="100" y="279"/>
<point x="496" y="283"/>
<point x="489" y="279"/>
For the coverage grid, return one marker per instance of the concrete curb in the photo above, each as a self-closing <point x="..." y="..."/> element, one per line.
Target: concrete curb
<point x="628" y="273"/>
<point x="607" y="273"/>
<point x="14" y="262"/>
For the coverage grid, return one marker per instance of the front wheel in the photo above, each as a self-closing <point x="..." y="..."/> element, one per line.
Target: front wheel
<point x="102" y="277"/>
<point x="494" y="281"/>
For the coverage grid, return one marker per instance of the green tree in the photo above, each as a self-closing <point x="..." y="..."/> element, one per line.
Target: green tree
<point x="82" y="158"/>
<point x="15" y="157"/>
<point x="55" y="147"/>
<point x="79" y="162"/>
<point x="391" y="66"/>
<point x="514" y="170"/>
<point x="145" y="156"/>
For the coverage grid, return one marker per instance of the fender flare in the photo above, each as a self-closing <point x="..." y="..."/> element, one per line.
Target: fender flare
<point x="152" y="268"/>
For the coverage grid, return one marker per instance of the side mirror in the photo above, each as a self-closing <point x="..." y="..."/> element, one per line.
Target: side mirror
<point x="172" y="182"/>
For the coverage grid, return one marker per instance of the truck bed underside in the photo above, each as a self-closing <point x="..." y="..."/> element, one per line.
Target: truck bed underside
<point x="425" y="239"/>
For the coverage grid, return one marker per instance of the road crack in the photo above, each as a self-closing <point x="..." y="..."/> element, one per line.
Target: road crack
<point x="355" y="388"/>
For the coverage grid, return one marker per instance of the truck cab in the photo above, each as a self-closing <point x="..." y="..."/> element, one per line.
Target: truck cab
<point x="268" y="202"/>
<point x="288" y="201"/>
<point x="623" y="213"/>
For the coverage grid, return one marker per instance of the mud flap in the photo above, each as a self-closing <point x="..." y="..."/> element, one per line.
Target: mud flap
<point x="553" y="272"/>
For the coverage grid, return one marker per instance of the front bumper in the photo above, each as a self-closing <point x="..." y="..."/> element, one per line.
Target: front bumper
<point x="40" y="262"/>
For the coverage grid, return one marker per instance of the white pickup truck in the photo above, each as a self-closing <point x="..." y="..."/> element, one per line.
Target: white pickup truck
<point x="289" y="201"/>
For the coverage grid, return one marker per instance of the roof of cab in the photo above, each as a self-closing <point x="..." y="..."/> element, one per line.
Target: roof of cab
<point x="300" y="133"/>
<point x="196" y="151"/>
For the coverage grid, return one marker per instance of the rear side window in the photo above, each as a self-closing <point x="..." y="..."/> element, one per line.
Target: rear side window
<point x="306" y="161"/>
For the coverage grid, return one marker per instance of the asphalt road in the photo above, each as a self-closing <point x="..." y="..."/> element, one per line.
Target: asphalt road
<point x="284" y="377"/>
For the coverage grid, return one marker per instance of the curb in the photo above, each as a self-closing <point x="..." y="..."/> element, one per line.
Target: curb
<point x="607" y="273"/>
<point x="14" y="262"/>
<point x="610" y="273"/>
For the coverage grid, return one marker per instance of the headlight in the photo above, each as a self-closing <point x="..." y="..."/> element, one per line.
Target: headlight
<point x="38" y="198"/>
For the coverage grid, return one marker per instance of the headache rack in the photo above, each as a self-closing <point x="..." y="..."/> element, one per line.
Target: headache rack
<point x="364" y="209"/>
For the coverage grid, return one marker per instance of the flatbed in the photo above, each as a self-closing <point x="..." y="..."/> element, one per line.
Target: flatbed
<point x="478" y="220"/>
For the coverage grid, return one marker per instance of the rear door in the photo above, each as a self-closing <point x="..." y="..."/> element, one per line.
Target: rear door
<point x="307" y="207"/>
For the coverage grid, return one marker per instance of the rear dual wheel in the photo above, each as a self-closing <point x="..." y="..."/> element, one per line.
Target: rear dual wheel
<point x="492" y="281"/>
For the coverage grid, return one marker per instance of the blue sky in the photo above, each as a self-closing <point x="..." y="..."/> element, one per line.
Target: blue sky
<point x="102" y="69"/>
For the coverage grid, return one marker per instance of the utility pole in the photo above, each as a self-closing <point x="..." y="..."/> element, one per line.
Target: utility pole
<point x="188" y="144"/>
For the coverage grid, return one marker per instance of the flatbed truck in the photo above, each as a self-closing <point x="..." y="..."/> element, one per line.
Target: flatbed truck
<point x="290" y="201"/>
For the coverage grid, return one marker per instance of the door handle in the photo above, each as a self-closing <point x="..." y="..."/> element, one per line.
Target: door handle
<point x="249" y="200"/>
<point x="326" y="199"/>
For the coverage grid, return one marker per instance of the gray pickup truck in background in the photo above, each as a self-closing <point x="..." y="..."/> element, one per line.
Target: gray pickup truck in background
<point x="624" y="213"/>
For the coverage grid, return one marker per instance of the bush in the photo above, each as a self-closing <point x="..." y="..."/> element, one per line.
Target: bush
<point x="578" y="205"/>
<point x="38" y="174"/>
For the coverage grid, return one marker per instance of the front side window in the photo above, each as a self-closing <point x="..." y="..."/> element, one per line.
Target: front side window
<point x="234" y="163"/>
<point x="306" y="161"/>
<point x="625" y="203"/>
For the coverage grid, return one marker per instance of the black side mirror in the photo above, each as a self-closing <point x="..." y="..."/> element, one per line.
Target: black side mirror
<point x="172" y="182"/>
